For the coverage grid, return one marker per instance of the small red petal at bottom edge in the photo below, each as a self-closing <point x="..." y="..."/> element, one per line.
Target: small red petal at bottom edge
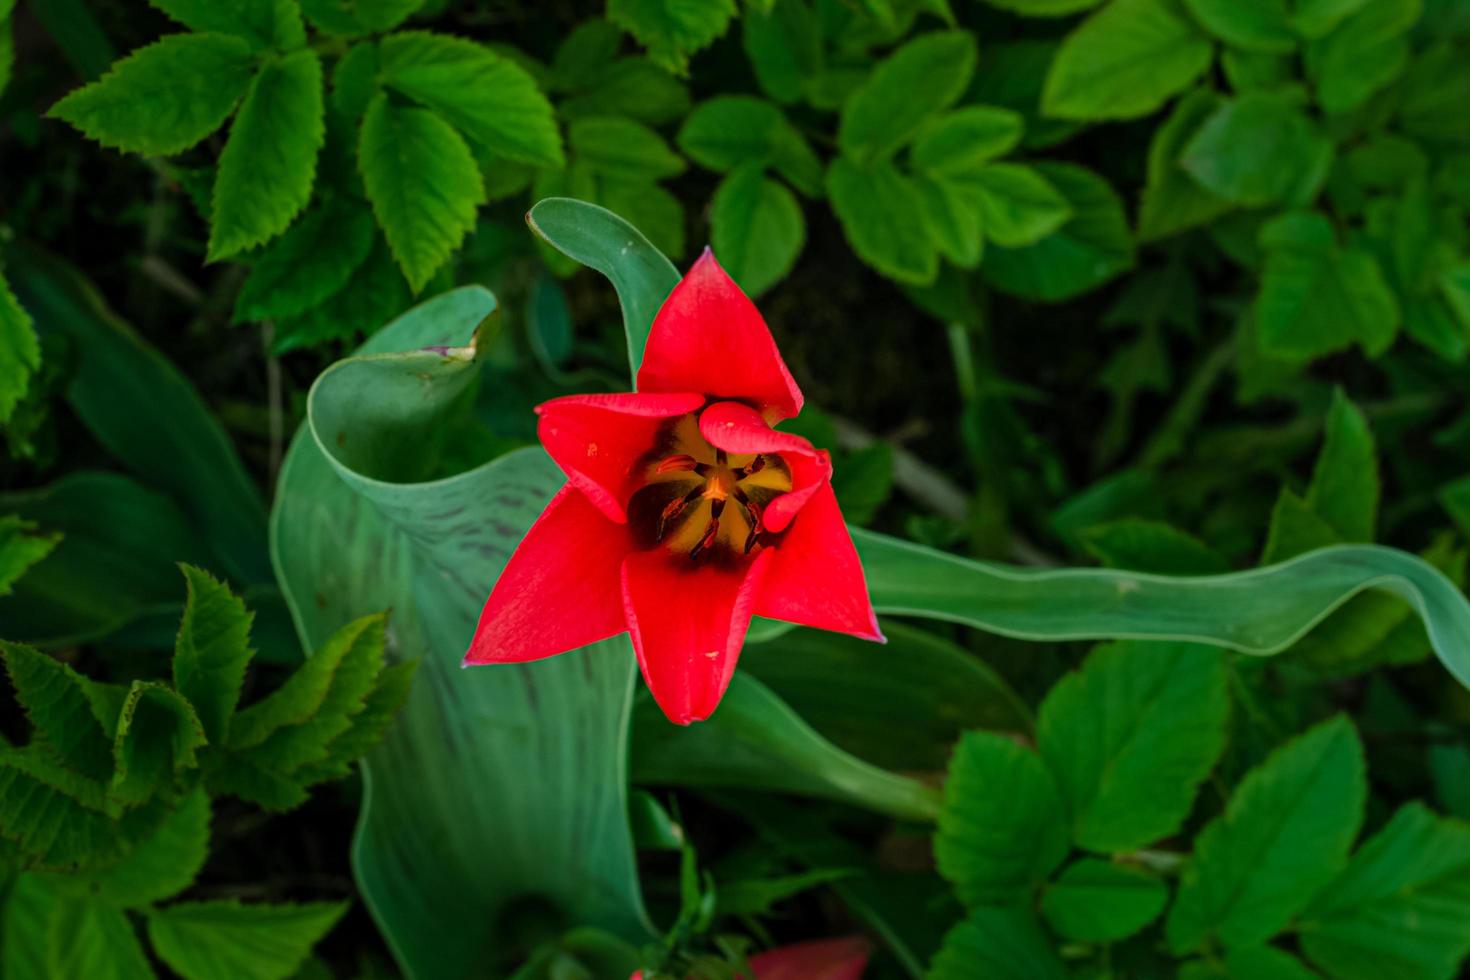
<point x="822" y="959"/>
<point x="688" y="622"/>
<point x="815" y="577"/>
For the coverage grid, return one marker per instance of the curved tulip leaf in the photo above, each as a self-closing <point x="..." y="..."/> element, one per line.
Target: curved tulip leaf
<point x="1261" y="611"/>
<point x="601" y="240"/>
<point x="754" y="741"/>
<point x="498" y="790"/>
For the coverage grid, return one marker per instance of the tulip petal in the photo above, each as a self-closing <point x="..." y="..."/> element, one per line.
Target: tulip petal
<point x="598" y="439"/>
<point x="559" y="591"/>
<point x="737" y="428"/>
<point x="815" y="577"/>
<point x="822" y="959"/>
<point x="709" y="337"/>
<point x="688" y="622"/>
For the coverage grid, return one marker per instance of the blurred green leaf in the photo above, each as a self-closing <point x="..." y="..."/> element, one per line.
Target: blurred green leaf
<point x="881" y="214"/>
<point x="1152" y="546"/>
<point x="1125" y="61"/>
<point x="21" y="350"/>
<point x="672" y="30"/>
<point x="621" y="148"/>
<point x="922" y="78"/>
<point x="314" y="259"/>
<point x="756" y="228"/>
<point x="1259" y="148"/>
<point x="1402" y="905"/>
<point x="997" y="944"/>
<point x="21" y="546"/>
<point x="1364" y="53"/>
<point x="212" y="652"/>
<point x="1017" y="205"/>
<point x="732" y="131"/>
<point x="90" y="939"/>
<point x="159" y="866"/>
<point x="264" y="23"/>
<point x="57" y="703"/>
<point x="784" y="45"/>
<point x="230" y="941"/>
<point x="1255" y="25"/>
<point x="1096" y="901"/>
<point x="1173" y="200"/>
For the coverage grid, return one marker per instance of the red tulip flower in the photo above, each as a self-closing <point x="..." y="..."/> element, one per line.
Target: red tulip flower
<point x="684" y="512"/>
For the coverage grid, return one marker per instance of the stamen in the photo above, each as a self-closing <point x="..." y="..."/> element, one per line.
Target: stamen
<point x="675" y="508"/>
<point x="710" y="531"/>
<point x="754" y="467"/>
<point x="752" y="517"/>
<point x="682" y="461"/>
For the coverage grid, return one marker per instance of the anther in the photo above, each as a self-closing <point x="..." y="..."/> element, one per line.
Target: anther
<point x="754" y="467"/>
<point x="676" y="507"/>
<point x="680" y="462"/>
<point x="710" y="530"/>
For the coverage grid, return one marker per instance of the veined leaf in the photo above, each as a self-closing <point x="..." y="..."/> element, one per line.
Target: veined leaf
<point x="1367" y="51"/>
<point x="212" y="652"/>
<point x="997" y="943"/>
<point x="159" y="866"/>
<point x="94" y="940"/>
<point x="960" y="142"/>
<point x="20" y="351"/>
<point x="314" y="259"/>
<point x="488" y="98"/>
<point x="268" y="165"/>
<point x="1254" y="25"/>
<point x="1172" y="199"/>
<point x="756" y="228"/>
<point x="1000" y="830"/>
<point x="672" y="30"/>
<point x="1402" y="905"/>
<point x="423" y="182"/>
<point x="1131" y="736"/>
<point x="1018" y="206"/>
<point x="1285" y="834"/>
<point x="55" y="700"/>
<point x="624" y="149"/>
<point x="1095" y="901"/>
<point x="264" y="23"/>
<point x="730" y="131"/>
<point x="882" y="216"/>
<point x="1259" y="148"/>
<point x="21" y="546"/>
<point x="158" y="735"/>
<point x="164" y="98"/>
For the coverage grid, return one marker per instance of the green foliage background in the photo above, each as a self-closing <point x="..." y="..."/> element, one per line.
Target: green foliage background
<point x="1171" y="287"/>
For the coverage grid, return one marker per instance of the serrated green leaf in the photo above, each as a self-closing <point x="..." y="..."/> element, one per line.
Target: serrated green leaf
<point x="584" y="54"/>
<point x="268" y="165"/>
<point x="423" y="182"/>
<point x="20" y="351"/>
<point x="375" y="294"/>
<point x="1259" y="148"/>
<point x="997" y="944"/>
<point x="882" y="217"/>
<point x="212" y="652"/>
<point x="1285" y="834"/>
<point x="355" y="80"/>
<point x="368" y="726"/>
<point x="1401" y="908"/>
<point x="924" y="77"/>
<point x="160" y="865"/>
<point x="1131" y="736"/>
<point x="1344" y="491"/>
<point x="1254" y="25"/>
<point x="632" y="87"/>
<point x="1095" y="901"/>
<point x="672" y="30"/>
<point x="1363" y="54"/>
<point x="1265" y="963"/>
<point x="1172" y="199"/>
<point x="1018" y="207"/>
<point x="622" y="149"/>
<point x="55" y="700"/>
<point x="312" y="261"/>
<point x="158" y="735"/>
<point x="1125" y="61"/>
<point x="961" y="142"/>
<point x="304" y="693"/>
<point x="164" y="98"/>
<point x="93" y="940"/>
<point x="490" y="99"/>
<point x="58" y="819"/>
<point x="21" y="546"/>
<point x="1317" y="297"/>
<point x="1000" y="829"/>
<point x="231" y="941"/>
<point x="307" y="742"/>
<point x="264" y="23"/>
<point x="1093" y="246"/>
<point x="756" y="228"/>
<point x="241" y="778"/>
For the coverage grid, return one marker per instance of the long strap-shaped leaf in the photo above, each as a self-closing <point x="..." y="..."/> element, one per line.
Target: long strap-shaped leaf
<point x="1261" y="611"/>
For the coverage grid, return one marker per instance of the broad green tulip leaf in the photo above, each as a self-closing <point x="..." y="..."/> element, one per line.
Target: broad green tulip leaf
<point x="144" y="411"/>
<point x="601" y="240"/>
<point x="1261" y="611"/>
<point x="498" y="787"/>
<point x="755" y="741"/>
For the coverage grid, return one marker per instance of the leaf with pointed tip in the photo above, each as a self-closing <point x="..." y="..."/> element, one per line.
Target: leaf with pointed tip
<point x="230" y="941"/>
<point x="55" y="700"/>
